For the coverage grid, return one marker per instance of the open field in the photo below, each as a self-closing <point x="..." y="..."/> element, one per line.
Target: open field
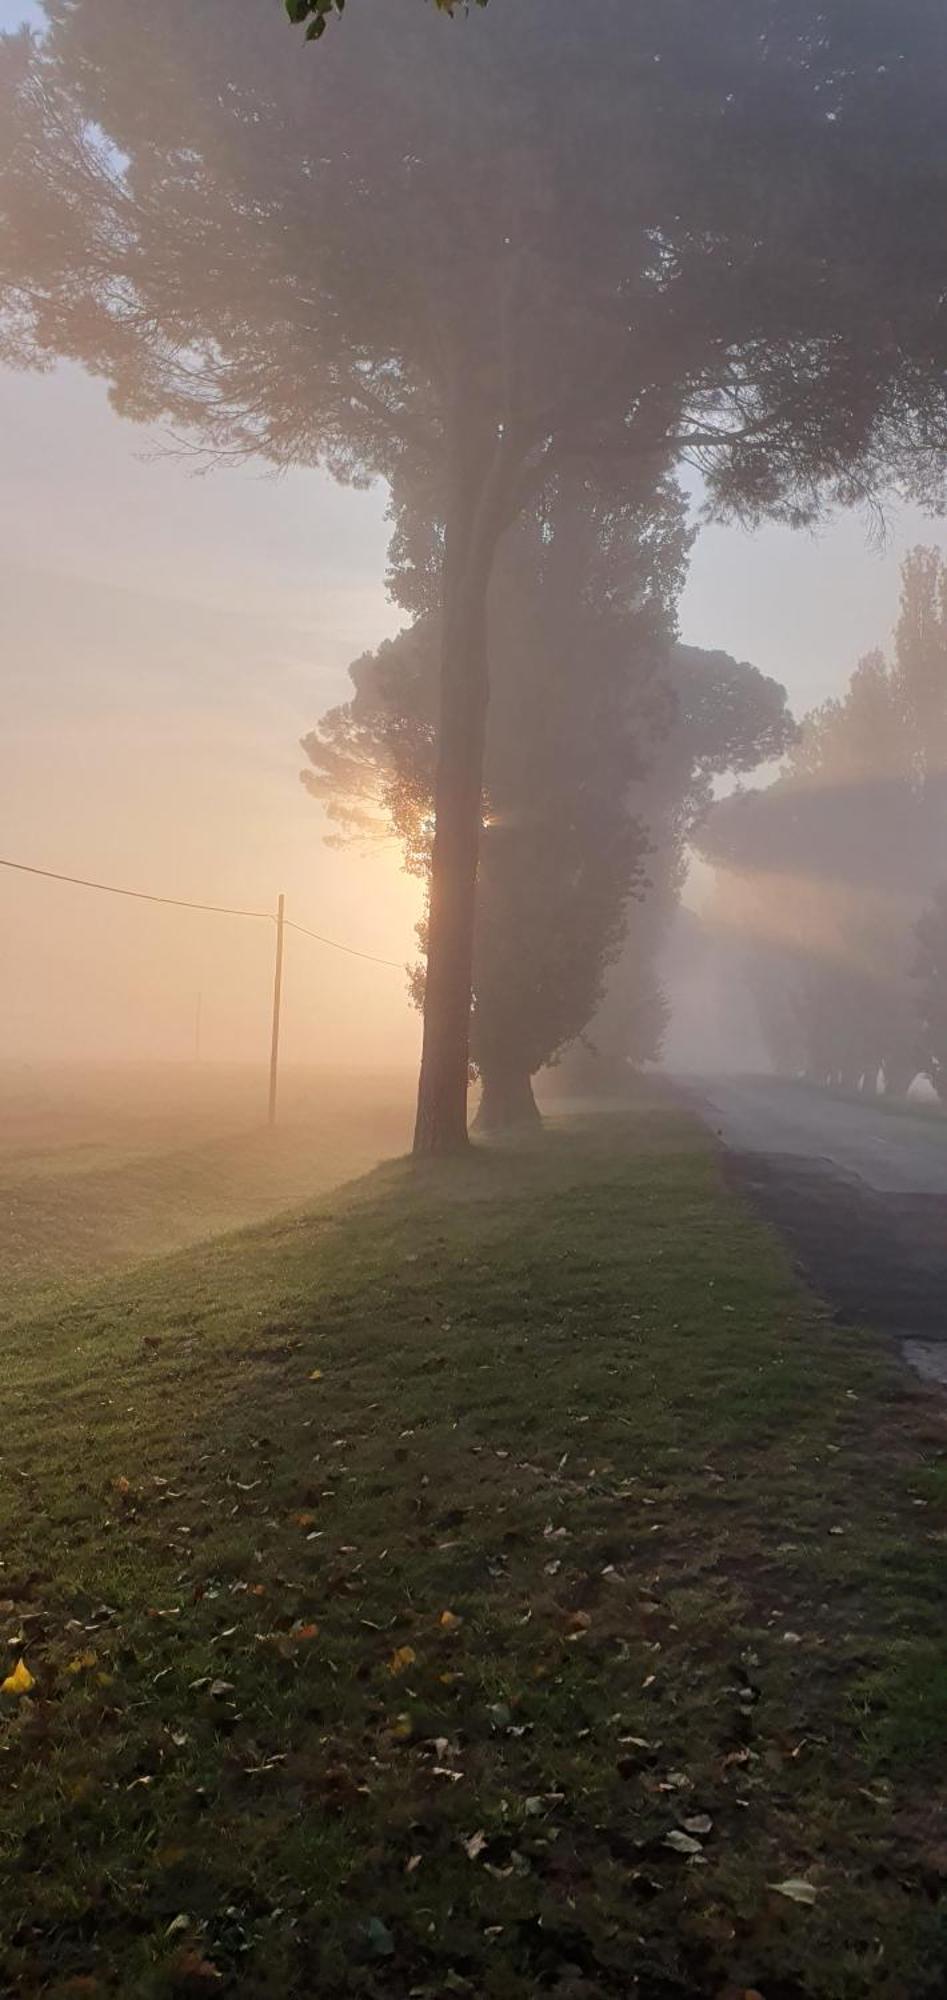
<point x="492" y="1582"/>
<point x="100" y="1167"/>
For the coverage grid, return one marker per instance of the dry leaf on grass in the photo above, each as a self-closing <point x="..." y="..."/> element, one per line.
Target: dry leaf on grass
<point x="796" y="1888"/>
<point x="20" y="1681"/>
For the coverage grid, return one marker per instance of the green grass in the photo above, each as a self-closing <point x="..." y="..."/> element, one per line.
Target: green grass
<point x="100" y="1167"/>
<point x="690" y="1536"/>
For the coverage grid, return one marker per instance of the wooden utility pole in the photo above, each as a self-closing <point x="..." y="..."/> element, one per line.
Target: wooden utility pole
<point x="277" y="995"/>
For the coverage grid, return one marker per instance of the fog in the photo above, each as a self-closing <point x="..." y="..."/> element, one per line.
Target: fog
<point x="165" y="649"/>
<point x="473" y="882"/>
<point x="172" y="629"/>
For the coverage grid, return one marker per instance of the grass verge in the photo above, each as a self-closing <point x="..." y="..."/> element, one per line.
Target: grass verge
<point x="492" y="1583"/>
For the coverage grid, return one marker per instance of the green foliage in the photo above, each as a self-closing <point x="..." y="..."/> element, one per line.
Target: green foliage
<point x="603" y="745"/>
<point x="318" y="12"/>
<point x="581" y="611"/>
<point x="396" y="262"/>
<point x="315" y="12"/>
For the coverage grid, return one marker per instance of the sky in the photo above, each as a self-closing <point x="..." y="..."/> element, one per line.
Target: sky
<point x="166" y="639"/>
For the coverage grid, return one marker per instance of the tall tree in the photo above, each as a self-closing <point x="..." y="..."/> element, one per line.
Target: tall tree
<point x="603" y="741"/>
<point x="582" y="616"/>
<point x="623" y="233"/>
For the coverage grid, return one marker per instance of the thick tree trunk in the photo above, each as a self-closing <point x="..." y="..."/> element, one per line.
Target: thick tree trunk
<point x="507" y="1102"/>
<point x="475" y="516"/>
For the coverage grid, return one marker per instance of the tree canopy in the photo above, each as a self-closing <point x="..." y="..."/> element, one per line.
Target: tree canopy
<point x="315" y="14"/>
<point x="619" y="234"/>
<point x="603" y="739"/>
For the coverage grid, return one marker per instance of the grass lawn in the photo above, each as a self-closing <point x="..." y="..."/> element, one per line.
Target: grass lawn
<point x="101" y="1166"/>
<point x="491" y="1583"/>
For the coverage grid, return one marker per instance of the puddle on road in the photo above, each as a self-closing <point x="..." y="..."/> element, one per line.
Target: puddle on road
<point x="927" y="1358"/>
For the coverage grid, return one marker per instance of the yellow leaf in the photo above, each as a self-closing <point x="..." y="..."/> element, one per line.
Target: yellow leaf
<point x="450" y="1621"/>
<point x="80" y="1663"/>
<point x="316" y="1375"/>
<point x="20" y="1681"/>
<point x="402" y="1658"/>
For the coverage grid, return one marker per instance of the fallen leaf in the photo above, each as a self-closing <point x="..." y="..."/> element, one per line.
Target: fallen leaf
<point x="122" y="1485"/>
<point x="450" y="1621"/>
<point x="20" y="1681"/>
<point x="316" y="1375"/>
<point x="303" y="1520"/>
<point x="682" y="1843"/>
<point x="580" y="1621"/>
<point x="698" y="1823"/>
<point x="81" y="1662"/>
<point x="475" y="1845"/>
<point x="402" y="1658"/>
<point x="411" y="1864"/>
<point x="796" y="1888"/>
<point x="310" y="1631"/>
<point x="220" y="1688"/>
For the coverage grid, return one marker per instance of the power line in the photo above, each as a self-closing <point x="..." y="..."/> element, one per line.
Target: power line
<point x="214" y="909"/>
<point x="350" y="949"/>
<point x="140" y="895"/>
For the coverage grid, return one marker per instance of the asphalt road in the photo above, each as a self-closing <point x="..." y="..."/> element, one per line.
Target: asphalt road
<point x="859" y="1192"/>
<point x="901" y="1149"/>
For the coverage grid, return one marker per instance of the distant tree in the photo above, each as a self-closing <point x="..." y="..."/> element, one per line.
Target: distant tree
<point x="727" y="719"/>
<point x="582" y="609"/>
<point x="830" y="867"/>
<point x="625" y="232"/>
<point x="930" y="972"/>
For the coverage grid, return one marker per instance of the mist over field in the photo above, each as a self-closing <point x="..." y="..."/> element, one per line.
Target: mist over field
<point x="473" y="999"/>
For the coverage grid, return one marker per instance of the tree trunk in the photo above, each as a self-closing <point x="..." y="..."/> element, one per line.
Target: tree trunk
<point x="507" y="1102"/>
<point x="480" y="469"/>
<point x="899" y="1077"/>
